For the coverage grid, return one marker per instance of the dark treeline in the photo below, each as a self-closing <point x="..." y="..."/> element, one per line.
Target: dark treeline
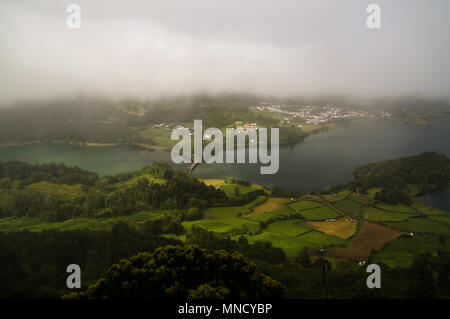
<point x="33" y="264"/>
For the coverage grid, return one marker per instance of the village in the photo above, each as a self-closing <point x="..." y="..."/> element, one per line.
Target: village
<point x="318" y="114"/>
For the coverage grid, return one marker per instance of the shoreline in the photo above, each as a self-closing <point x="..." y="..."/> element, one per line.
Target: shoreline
<point x="312" y="131"/>
<point x="90" y="144"/>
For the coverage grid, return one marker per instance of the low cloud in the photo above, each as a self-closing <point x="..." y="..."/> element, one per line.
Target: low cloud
<point x="168" y="47"/>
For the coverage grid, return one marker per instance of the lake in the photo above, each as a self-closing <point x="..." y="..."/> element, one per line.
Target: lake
<point x="104" y="160"/>
<point x="320" y="161"/>
<point x="329" y="158"/>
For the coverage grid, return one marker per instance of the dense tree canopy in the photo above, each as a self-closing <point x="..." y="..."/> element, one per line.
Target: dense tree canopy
<point x="183" y="272"/>
<point x="401" y="178"/>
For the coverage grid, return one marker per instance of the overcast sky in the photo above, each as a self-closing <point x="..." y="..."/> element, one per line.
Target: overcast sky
<point x="283" y="47"/>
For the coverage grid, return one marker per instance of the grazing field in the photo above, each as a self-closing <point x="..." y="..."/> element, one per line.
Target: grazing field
<point x="350" y="207"/>
<point x="224" y="225"/>
<point x="320" y="213"/>
<point x="262" y="217"/>
<point x="338" y="196"/>
<point x="292" y="245"/>
<point x="318" y="239"/>
<point x="361" y="199"/>
<point x="422" y="225"/>
<point x="379" y="215"/>
<point x="271" y="204"/>
<point x="232" y="211"/>
<point x="304" y="204"/>
<point x="441" y="219"/>
<point x="396" y="208"/>
<point x="288" y="227"/>
<point x="341" y="227"/>
<point x="371" y="237"/>
<point x="401" y="252"/>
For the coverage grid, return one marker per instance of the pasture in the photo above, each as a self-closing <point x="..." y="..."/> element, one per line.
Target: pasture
<point x="401" y="252"/>
<point x="341" y="227"/>
<point x="288" y="227"/>
<point x="370" y="237"/>
<point x="379" y="215"/>
<point x="304" y="204"/>
<point x="396" y="208"/>
<point x="292" y="245"/>
<point x="422" y="225"/>
<point x="271" y="204"/>
<point x="349" y="207"/>
<point x="337" y="196"/>
<point x="319" y="213"/>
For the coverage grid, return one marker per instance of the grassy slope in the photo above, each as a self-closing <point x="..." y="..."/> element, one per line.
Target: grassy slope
<point x="401" y="252"/>
<point x="291" y="235"/>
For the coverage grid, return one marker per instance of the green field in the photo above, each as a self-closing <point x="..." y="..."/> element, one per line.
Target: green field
<point x="319" y="239"/>
<point x="288" y="227"/>
<point x="401" y="252"/>
<point x="267" y="215"/>
<point x="232" y="211"/>
<point x="338" y="196"/>
<point x="361" y="199"/>
<point x="304" y="204"/>
<point x="350" y="207"/>
<point x="422" y="225"/>
<point x="320" y="213"/>
<point x="224" y="225"/>
<point x="292" y="245"/>
<point x="441" y="219"/>
<point x="396" y="208"/>
<point x="379" y="215"/>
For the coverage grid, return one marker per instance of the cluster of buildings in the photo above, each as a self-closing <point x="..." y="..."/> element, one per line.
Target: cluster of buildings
<point x="247" y="127"/>
<point x="161" y="125"/>
<point x="318" y="114"/>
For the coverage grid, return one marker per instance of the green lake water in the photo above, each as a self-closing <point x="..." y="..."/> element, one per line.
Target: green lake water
<point x="104" y="160"/>
<point x="321" y="160"/>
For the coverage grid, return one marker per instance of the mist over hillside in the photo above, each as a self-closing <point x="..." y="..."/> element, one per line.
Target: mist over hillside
<point x="162" y="48"/>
